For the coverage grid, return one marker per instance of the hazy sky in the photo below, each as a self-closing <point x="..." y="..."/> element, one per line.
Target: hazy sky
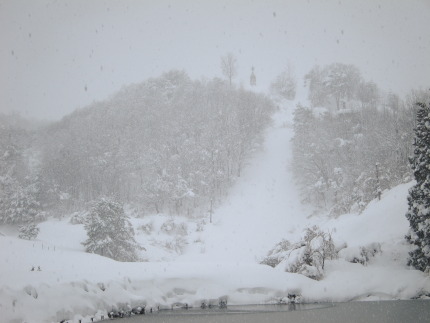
<point x="56" y="56"/>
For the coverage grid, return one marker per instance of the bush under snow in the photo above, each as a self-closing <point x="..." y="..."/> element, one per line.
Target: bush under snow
<point x="361" y="254"/>
<point x="306" y="257"/>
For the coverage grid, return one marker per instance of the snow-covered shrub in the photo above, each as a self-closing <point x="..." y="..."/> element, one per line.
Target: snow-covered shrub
<point x="370" y="251"/>
<point x="146" y="227"/>
<point x="182" y="229"/>
<point x="306" y="257"/>
<point x="277" y="254"/>
<point x="362" y="254"/>
<point x="168" y="227"/>
<point x="171" y="227"/>
<point x="176" y="244"/>
<point x="28" y="231"/>
<point x="297" y="259"/>
<point x="200" y="225"/>
<point x="78" y="217"/>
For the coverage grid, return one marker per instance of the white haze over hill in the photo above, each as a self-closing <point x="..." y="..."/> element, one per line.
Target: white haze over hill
<point x="56" y="56"/>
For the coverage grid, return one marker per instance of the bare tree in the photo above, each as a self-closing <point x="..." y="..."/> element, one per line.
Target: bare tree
<point x="229" y="66"/>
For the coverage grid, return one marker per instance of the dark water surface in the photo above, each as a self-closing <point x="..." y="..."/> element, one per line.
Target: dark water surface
<point x="416" y="311"/>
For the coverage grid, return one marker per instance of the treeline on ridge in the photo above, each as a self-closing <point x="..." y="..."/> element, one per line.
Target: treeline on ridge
<point x="169" y="144"/>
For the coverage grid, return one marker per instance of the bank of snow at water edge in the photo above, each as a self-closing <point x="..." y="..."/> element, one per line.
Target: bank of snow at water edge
<point x="382" y="224"/>
<point x="75" y="285"/>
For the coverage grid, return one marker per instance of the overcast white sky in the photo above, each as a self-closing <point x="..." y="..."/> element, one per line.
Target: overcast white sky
<point x="56" y="56"/>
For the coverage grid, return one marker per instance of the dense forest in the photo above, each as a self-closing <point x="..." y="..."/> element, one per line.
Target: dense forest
<point x="175" y="145"/>
<point x="169" y="144"/>
<point x="353" y="141"/>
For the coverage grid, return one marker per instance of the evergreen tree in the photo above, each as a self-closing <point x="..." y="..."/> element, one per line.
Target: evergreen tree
<point x="110" y="232"/>
<point x="28" y="231"/>
<point x="19" y="203"/>
<point x="419" y="195"/>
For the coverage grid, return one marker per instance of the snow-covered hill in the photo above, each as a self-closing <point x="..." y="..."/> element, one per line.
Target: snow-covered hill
<point x="262" y="208"/>
<point x="219" y="259"/>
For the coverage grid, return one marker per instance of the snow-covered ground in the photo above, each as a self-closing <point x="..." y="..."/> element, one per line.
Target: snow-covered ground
<point x="190" y="262"/>
<point x="262" y="208"/>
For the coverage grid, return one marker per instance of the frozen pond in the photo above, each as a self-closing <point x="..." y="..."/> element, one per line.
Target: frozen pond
<point x="384" y="311"/>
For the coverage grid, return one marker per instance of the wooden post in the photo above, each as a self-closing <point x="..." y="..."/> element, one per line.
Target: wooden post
<point x="378" y="183"/>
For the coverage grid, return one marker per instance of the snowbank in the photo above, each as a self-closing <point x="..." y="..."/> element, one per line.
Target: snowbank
<point x="72" y="284"/>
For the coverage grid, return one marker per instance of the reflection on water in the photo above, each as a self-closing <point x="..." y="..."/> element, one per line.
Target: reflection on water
<point x="417" y="311"/>
<point x="276" y="307"/>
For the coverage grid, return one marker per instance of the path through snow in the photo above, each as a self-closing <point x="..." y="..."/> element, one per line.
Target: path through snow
<point x="262" y="207"/>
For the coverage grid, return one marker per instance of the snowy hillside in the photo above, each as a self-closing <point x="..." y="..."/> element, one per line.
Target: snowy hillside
<point x="207" y="261"/>
<point x="262" y="207"/>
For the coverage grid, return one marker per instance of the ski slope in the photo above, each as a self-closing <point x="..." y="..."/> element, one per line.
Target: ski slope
<point x="262" y="207"/>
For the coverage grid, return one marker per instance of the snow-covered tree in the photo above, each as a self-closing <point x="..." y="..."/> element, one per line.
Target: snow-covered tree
<point x="341" y="81"/>
<point x="285" y="84"/>
<point x="338" y="82"/>
<point x="110" y="232"/>
<point x="419" y="195"/>
<point x="314" y="80"/>
<point x="20" y="187"/>
<point x="28" y="231"/>
<point x="368" y="94"/>
<point x="19" y="202"/>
